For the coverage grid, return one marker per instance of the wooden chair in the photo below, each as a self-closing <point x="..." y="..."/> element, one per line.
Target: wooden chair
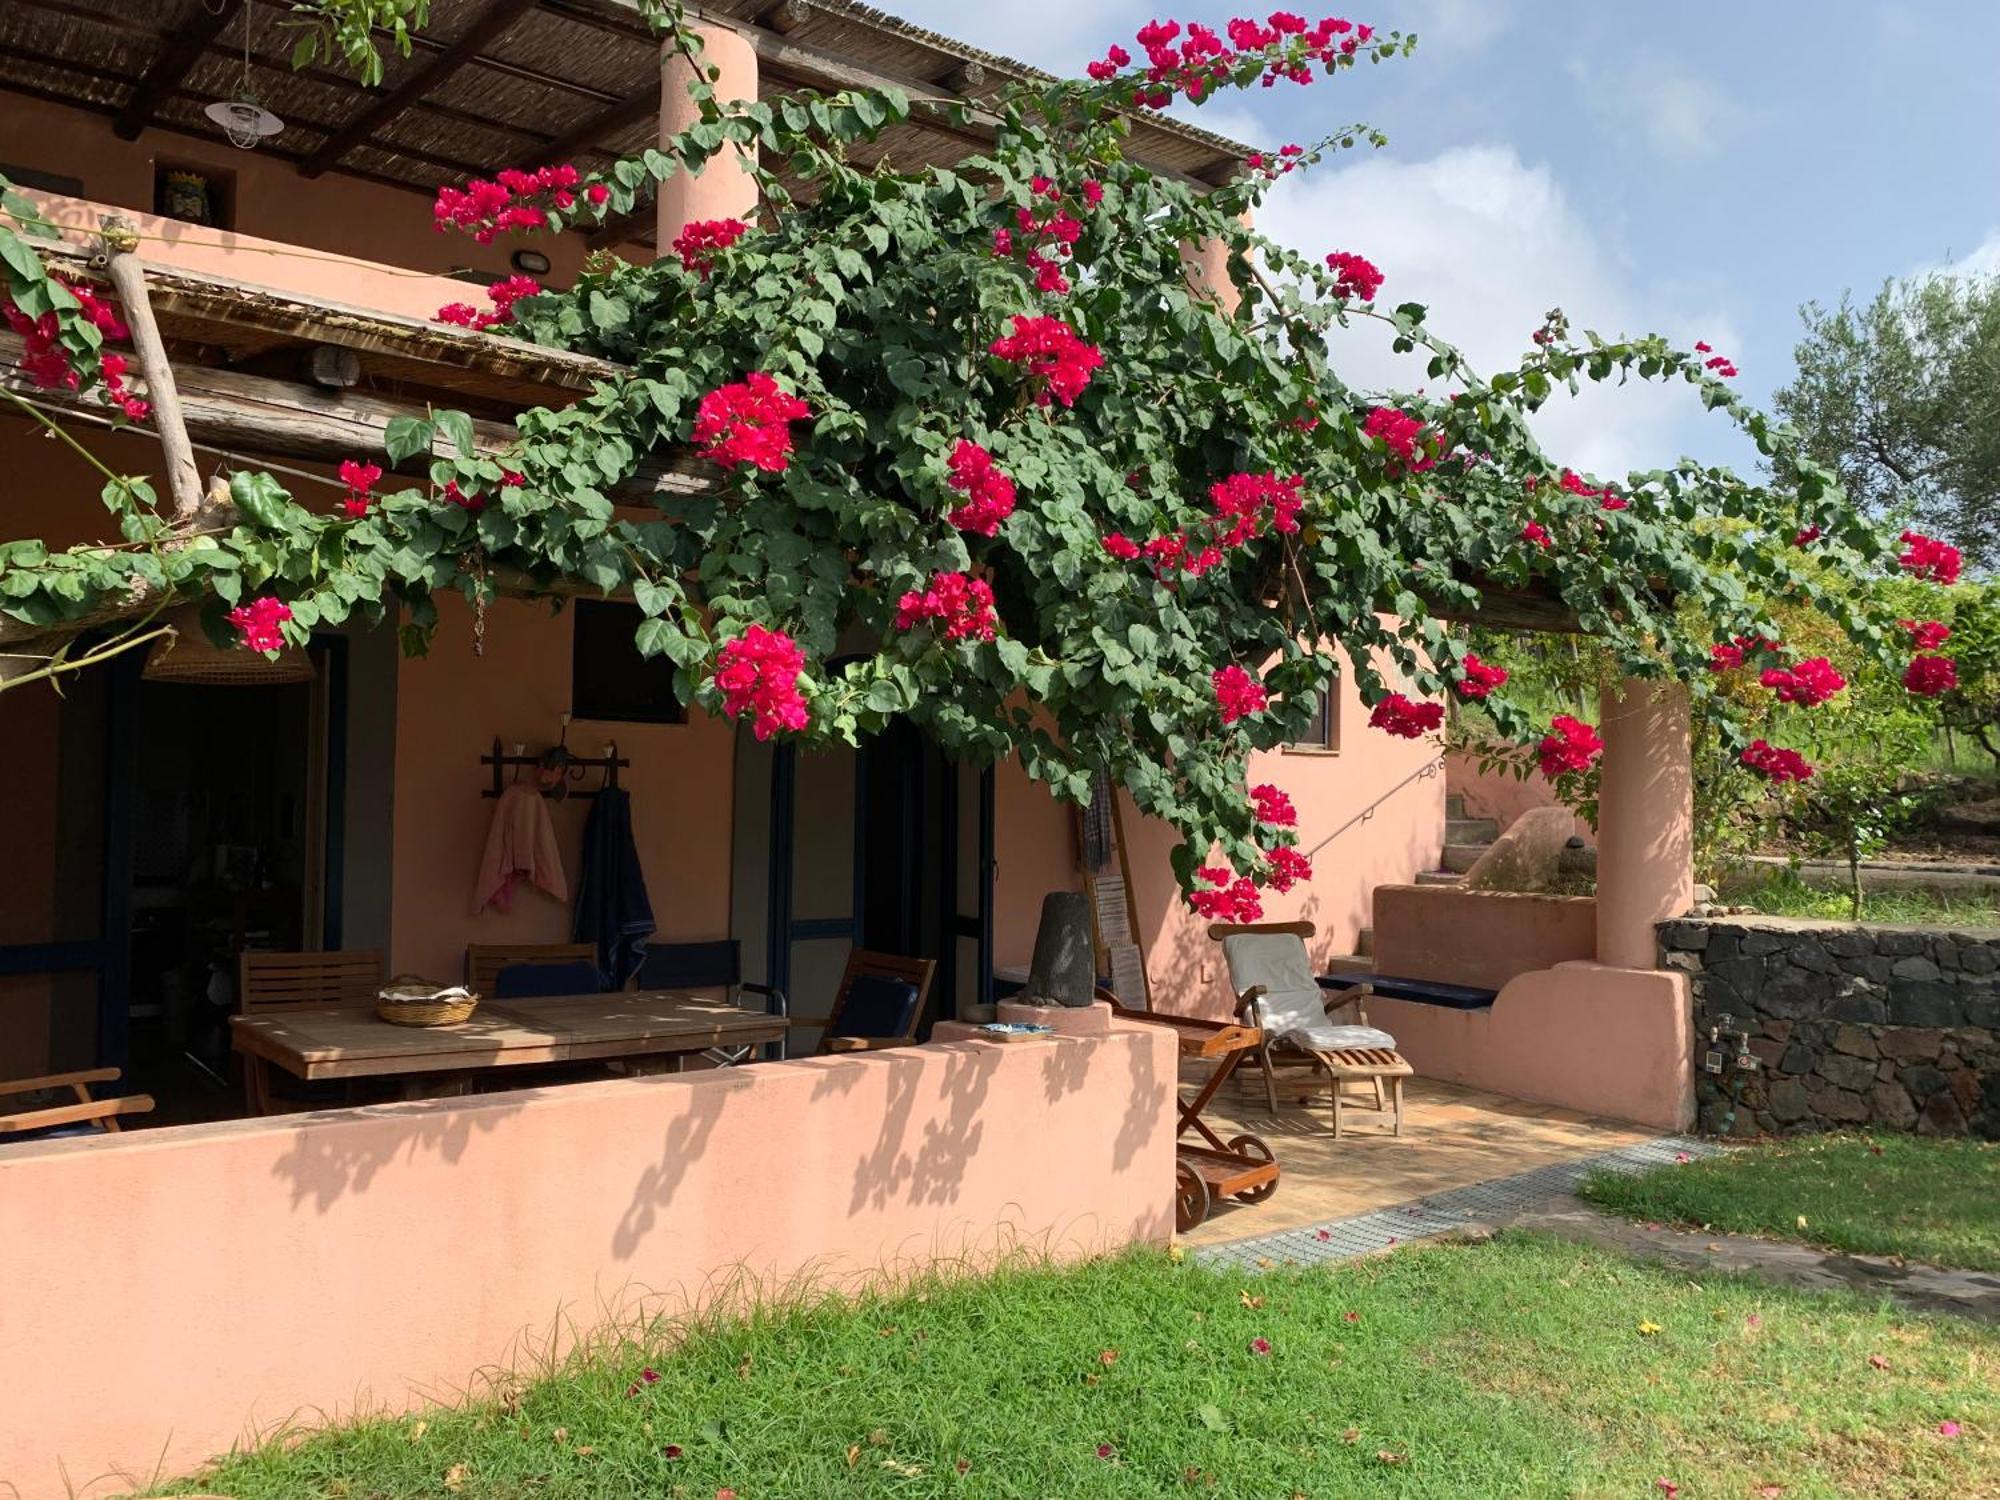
<point x="269" y="983"/>
<point x="879" y="1002"/>
<point x="274" y="983"/>
<point x="484" y="961"/>
<point x="76" y="1118"/>
<point x="1271" y="976"/>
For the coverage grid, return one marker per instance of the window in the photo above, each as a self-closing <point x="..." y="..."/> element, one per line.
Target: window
<point x="609" y="679"/>
<point x="1324" y="733"/>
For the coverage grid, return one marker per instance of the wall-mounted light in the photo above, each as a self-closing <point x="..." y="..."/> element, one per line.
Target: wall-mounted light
<point x="530" y="262"/>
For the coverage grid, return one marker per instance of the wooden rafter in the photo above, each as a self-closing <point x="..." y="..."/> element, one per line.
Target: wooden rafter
<point x="180" y="51"/>
<point x="493" y="22"/>
<point x="641" y="104"/>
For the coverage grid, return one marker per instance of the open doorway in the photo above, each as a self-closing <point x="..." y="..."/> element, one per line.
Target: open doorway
<point x="229" y="850"/>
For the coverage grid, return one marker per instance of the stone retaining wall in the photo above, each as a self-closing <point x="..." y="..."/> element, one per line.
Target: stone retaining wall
<point x="1852" y="1026"/>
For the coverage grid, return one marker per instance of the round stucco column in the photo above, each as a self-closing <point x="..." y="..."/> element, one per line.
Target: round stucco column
<point x="1645" y="819"/>
<point x="723" y="190"/>
<point x="1207" y="263"/>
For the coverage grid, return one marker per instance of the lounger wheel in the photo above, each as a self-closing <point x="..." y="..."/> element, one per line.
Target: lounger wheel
<point x="1191" y="1197"/>
<point x="1253" y="1147"/>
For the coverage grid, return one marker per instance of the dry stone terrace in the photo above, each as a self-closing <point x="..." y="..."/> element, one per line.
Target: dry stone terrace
<point x="1849" y="1025"/>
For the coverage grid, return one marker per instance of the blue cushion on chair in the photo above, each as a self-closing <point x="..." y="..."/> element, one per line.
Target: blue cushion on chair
<point x="877" y="1006"/>
<point x="533" y="981"/>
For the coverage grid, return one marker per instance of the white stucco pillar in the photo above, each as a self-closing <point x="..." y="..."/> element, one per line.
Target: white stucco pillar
<point x="1645" y="819"/>
<point x="723" y="190"/>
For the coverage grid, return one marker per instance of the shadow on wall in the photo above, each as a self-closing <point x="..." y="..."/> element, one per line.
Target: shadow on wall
<point x="325" y="1164"/>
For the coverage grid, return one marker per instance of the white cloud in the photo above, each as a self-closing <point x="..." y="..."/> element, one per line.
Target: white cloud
<point x="1675" y="113"/>
<point x="1456" y="25"/>
<point x="1489" y="244"/>
<point x="1983" y="261"/>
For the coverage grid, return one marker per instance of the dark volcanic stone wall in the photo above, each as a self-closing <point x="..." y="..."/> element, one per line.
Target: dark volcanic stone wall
<point x="1852" y="1026"/>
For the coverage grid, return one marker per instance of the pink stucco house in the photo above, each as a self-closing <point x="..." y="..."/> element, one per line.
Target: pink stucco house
<point x="153" y="829"/>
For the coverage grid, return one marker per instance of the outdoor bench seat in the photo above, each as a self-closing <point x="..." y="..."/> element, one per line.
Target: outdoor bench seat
<point x="1421" y="991"/>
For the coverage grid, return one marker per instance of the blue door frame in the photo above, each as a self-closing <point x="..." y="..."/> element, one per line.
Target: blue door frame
<point x="782" y="929"/>
<point x="109" y="955"/>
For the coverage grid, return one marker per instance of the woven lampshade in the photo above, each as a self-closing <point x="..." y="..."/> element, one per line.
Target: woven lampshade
<point x="189" y="656"/>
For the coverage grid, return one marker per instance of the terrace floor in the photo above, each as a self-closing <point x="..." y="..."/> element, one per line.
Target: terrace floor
<point x="1453" y="1137"/>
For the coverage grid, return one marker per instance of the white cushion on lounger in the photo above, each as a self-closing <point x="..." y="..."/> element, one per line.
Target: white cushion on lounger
<point x="1293" y="1006"/>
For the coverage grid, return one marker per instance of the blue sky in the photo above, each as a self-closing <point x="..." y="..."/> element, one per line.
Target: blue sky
<point x="1693" y="169"/>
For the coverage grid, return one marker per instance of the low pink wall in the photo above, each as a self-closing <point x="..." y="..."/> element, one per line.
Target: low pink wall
<point x="1482" y="938"/>
<point x="1499" y="796"/>
<point x="1605" y="1041"/>
<point x="175" y="1291"/>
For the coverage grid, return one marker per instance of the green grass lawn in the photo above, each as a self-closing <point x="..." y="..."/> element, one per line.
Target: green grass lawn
<point x="1522" y="1367"/>
<point x="1936" y="1201"/>
<point x="1785" y="895"/>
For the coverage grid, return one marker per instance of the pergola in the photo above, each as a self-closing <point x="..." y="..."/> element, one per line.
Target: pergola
<point x="493" y="83"/>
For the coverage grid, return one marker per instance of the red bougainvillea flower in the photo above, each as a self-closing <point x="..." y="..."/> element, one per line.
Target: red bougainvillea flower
<point x="1272" y="806"/>
<point x="1948" y="1429"/>
<point x="1779" y="765"/>
<point x="1237" y="692"/>
<point x="959" y="606"/>
<point x="1225" y="897"/>
<point x="699" y="243"/>
<point x="1406" y="438"/>
<point x="1575" y="484"/>
<point x="1930" y="676"/>
<point x="1807" y="536"/>
<point x="1810" y="682"/>
<point x="474" y="502"/>
<point x="1927" y="557"/>
<point x="1925" y="635"/>
<point x="1193" y="63"/>
<point x="1240" y="502"/>
<point x="749" y="422"/>
<point x="47" y="364"/>
<point x="1092" y="191"/>
<point x="1120" y="546"/>
<point x="758" y="673"/>
<point x="1726" y="656"/>
<point x="1480" y="678"/>
<point x="1398" y="715"/>
<point x="1052" y="353"/>
<point x="672" y="1451"/>
<point x="1105" y="1450"/>
<point x="989" y="494"/>
<point x="1177" y="554"/>
<point x="258" y="621"/>
<point x="1722" y="367"/>
<point x="1571" y="745"/>
<point x="1354" y="276"/>
<point x="503" y="295"/>
<point x="1260" y="1345"/>
<point x="1537" y="534"/>
<point x="515" y="200"/>
<point x="360" y="479"/>
<point x="1286" y="867"/>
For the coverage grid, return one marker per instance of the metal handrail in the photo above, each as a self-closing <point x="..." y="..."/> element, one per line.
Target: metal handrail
<point x="1422" y="773"/>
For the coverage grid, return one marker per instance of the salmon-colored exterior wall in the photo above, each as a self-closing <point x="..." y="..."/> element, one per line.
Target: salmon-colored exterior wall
<point x="180" y="1290"/>
<point x="1501" y="797"/>
<point x="450" y="705"/>
<point x="1331" y="790"/>
<point x="1478" y="938"/>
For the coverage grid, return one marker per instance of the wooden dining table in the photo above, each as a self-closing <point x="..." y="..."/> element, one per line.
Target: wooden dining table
<point x="352" y="1042"/>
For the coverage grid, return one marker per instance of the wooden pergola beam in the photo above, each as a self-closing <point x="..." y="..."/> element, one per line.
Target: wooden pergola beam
<point x="498" y="16"/>
<point x="642" y="104"/>
<point x="179" y="52"/>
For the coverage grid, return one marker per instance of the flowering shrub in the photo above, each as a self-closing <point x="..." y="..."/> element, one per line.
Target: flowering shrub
<point x="1931" y="676"/>
<point x="259" y="623"/>
<point x="1397" y="715"/>
<point x="360" y="479"/>
<point x="758" y="674"/>
<point x="1927" y="557"/>
<point x="1775" y="764"/>
<point x="1810" y="682"/>
<point x="1570" y="746"/>
<point x="748" y="422"/>
<point x="989" y="494"/>
<point x="1169" y="522"/>
<point x="961" y="608"/>
<point x="1272" y="806"/>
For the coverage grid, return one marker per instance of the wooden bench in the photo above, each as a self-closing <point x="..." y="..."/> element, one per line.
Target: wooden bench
<point x="1420" y="991"/>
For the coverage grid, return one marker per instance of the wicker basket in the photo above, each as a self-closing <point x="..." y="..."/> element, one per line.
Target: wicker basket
<point x="410" y="1000"/>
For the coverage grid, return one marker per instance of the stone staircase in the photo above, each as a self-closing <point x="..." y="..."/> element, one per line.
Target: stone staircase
<point x="1465" y="839"/>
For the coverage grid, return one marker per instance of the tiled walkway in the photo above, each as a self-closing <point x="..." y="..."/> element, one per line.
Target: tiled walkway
<point x="1452" y="1138"/>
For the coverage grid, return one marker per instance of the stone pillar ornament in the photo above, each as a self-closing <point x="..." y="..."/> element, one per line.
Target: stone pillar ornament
<point x="1064" y="970"/>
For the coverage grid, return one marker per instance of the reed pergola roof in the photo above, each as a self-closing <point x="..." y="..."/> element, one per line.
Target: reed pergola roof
<point x="492" y="83"/>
